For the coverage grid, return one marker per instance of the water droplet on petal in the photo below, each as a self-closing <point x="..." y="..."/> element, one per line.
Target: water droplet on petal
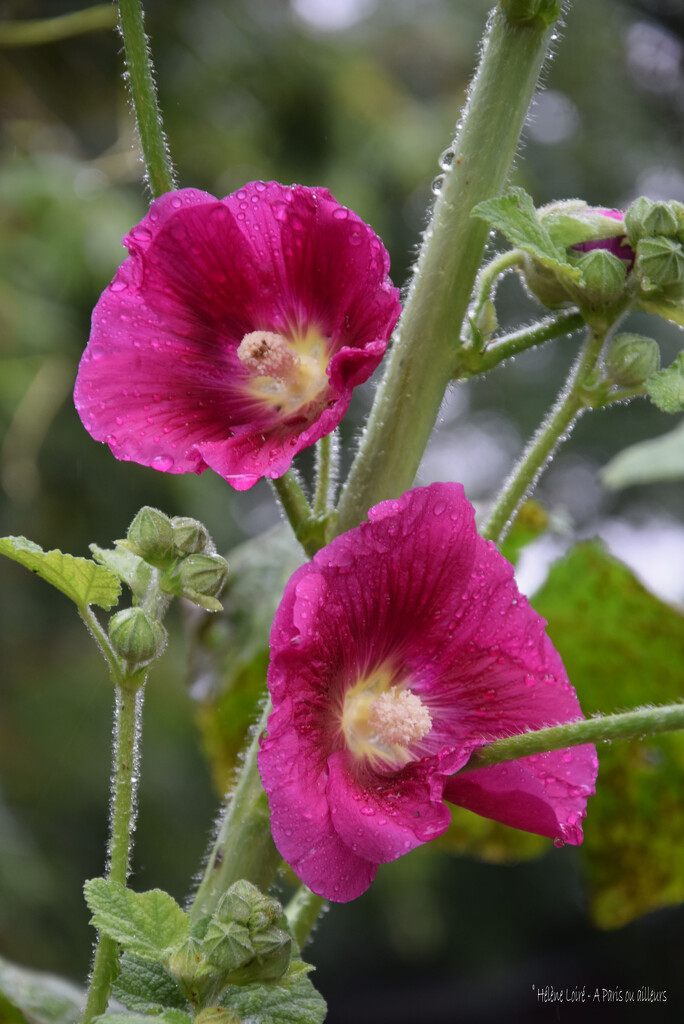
<point x="341" y="213"/>
<point x="163" y="463"/>
<point x="368" y="811"/>
<point x="118" y="286"/>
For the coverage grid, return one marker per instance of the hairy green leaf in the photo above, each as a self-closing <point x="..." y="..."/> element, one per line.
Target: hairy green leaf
<point x="146" y="924"/>
<point x="297" y="1003"/>
<point x="31" y="997"/>
<point x="515" y="216"/>
<point x="146" y="986"/>
<point x="666" y="388"/>
<point x="623" y="647"/>
<point x="80" y="579"/>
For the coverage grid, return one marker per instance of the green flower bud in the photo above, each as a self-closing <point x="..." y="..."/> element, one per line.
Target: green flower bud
<point x="631" y="359"/>
<point x="150" y="536"/>
<point x="659" y="266"/>
<point x="136" y="637"/>
<point x="239" y="901"/>
<point x="646" y="219"/>
<point x="188" y="966"/>
<point x="227" y="946"/>
<point x="202" y="574"/>
<point x="273" y="949"/>
<point x="604" y="276"/>
<point x="545" y="284"/>
<point x="189" y="535"/>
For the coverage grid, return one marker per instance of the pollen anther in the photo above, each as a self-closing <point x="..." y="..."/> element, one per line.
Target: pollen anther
<point x="267" y="353"/>
<point x="399" y="717"/>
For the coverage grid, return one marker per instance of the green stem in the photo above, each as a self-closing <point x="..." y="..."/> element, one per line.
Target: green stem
<point x="36" y="31"/>
<point x="558" y="423"/>
<point x="243" y="847"/>
<point x="92" y="623"/>
<point x="472" y="363"/>
<point x="324" y="469"/>
<point x="485" y="285"/>
<point x="302" y="912"/>
<point x="159" y="168"/>
<point x="122" y="822"/>
<point x="623" y="726"/>
<point x="420" y="364"/>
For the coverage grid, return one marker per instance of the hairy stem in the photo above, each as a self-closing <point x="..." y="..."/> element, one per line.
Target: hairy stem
<point x="122" y="823"/>
<point x="243" y="847"/>
<point x="557" y="425"/>
<point x="421" y="362"/>
<point x="302" y="912"/>
<point x="471" y="363"/>
<point x="156" y="155"/>
<point x="623" y="726"/>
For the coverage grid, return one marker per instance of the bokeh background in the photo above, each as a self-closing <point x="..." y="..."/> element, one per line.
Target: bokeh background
<point x="360" y="96"/>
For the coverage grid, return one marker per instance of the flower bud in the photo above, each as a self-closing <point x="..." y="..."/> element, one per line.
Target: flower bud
<point x="189" y="535"/>
<point x="136" y="637"/>
<point x="631" y="359"/>
<point x="273" y="950"/>
<point x="227" y="946"/>
<point x="194" y="975"/>
<point x="203" y="574"/>
<point x="660" y="266"/>
<point x="150" y="536"/>
<point x="646" y="219"/>
<point x="604" y="276"/>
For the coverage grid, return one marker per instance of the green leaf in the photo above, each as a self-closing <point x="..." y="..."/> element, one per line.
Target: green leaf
<point x="146" y="986"/>
<point x="130" y="568"/>
<point x="515" y="217"/>
<point x="666" y="308"/>
<point x="146" y="924"/>
<point x="229" y="654"/>
<point x="298" y="1003"/>
<point x="661" y="458"/>
<point x="530" y="523"/>
<point x="666" y="388"/>
<point x="36" y="998"/>
<point x="623" y="647"/>
<point x="80" y="579"/>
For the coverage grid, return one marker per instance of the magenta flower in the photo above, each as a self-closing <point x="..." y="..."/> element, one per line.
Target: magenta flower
<point x="234" y="333"/>
<point x="400" y="648"/>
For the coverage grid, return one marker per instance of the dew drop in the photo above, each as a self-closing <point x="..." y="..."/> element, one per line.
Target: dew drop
<point x="439" y="508"/>
<point x="118" y="286"/>
<point x="447" y="158"/>
<point x="260" y="186"/>
<point x="368" y="811"/>
<point x="176" y="203"/>
<point x="437" y="184"/>
<point x="341" y="213"/>
<point x="163" y="463"/>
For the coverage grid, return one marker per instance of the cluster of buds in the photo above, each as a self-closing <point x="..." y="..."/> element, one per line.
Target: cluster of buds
<point x="173" y="557"/>
<point x="182" y="550"/>
<point x="656" y="233"/>
<point x="240" y="944"/>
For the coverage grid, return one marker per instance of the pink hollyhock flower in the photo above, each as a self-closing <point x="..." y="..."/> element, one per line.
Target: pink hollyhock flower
<point x="398" y="650"/>
<point x="234" y="333"/>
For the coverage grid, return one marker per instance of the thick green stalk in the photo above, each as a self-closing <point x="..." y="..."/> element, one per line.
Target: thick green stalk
<point x="421" y="362"/>
<point x="243" y="847"/>
<point x="128" y="707"/>
<point x="623" y="726"/>
<point x="156" y="155"/>
<point x="37" y="31"/>
<point x="324" y="473"/>
<point x="558" y="423"/>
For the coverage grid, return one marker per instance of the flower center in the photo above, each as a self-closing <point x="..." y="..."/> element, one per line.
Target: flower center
<point x="285" y="374"/>
<point x="383" y="723"/>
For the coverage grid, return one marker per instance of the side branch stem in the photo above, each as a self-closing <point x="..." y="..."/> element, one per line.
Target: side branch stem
<point x="560" y="419"/>
<point x="623" y="726"/>
<point x="424" y="350"/>
<point x="156" y="155"/>
<point x="471" y="363"/>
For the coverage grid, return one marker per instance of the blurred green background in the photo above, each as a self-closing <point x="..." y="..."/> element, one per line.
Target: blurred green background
<point x="360" y="96"/>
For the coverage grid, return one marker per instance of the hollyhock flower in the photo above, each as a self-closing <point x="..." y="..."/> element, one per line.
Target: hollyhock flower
<point x="234" y="333"/>
<point x="398" y="650"/>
